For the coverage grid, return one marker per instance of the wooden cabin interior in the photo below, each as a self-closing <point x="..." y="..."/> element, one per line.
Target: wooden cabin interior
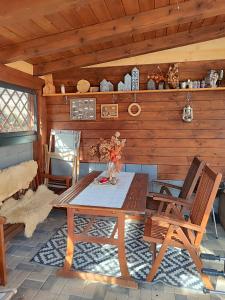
<point x="112" y="114"/>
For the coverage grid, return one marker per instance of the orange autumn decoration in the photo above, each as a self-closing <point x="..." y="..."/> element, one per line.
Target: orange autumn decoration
<point x="109" y="151"/>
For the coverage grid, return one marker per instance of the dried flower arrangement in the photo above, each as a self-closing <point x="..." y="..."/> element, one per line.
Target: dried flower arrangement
<point x="173" y="76"/>
<point x="109" y="150"/>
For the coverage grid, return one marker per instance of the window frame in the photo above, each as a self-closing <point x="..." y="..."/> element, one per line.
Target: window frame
<point x="20" y="137"/>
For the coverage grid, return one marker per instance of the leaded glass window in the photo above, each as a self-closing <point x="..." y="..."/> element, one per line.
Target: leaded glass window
<point x="17" y="110"/>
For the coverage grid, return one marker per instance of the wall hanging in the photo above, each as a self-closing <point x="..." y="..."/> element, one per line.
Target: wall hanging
<point x="136" y="106"/>
<point x="109" y="111"/>
<point x="83" y="109"/>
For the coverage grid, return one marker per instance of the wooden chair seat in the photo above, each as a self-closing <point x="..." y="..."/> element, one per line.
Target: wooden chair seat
<point x="155" y="233"/>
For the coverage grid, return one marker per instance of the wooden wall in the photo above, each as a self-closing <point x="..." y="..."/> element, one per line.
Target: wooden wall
<point x="158" y="135"/>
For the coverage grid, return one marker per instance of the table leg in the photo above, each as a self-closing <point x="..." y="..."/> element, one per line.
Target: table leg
<point x="70" y="240"/>
<point x="125" y="280"/>
<point x="121" y="246"/>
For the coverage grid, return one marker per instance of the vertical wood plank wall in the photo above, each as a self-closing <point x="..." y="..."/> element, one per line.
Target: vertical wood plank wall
<point x="158" y="135"/>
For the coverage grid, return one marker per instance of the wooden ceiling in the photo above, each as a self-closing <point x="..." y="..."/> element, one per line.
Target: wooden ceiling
<point x="60" y="34"/>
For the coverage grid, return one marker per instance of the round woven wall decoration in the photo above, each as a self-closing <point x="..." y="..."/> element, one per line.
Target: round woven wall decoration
<point x="137" y="106"/>
<point x="83" y="86"/>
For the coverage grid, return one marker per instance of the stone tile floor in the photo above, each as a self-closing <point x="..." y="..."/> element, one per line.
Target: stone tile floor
<point x="38" y="282"/>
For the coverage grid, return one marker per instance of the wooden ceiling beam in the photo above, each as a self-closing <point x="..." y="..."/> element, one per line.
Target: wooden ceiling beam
<point x="148" y="46"/>
<point x="14" y="11"/>
<point x="155" y="19"/>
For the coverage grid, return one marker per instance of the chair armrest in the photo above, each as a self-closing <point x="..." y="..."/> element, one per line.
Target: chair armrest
<point x="169" y="185"/>
<point x="171" y="199"/>
<point x="176" y="222"/>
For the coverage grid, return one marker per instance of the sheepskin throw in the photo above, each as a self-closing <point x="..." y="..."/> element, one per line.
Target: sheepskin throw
<point x="16" y="178"/>
<point x="32" y="209"/>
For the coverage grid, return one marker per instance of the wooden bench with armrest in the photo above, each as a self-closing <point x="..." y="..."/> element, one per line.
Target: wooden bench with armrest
<point x="21" y="190"/>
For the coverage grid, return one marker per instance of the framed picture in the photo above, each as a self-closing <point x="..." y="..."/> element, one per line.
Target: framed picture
<point x="83" y="109"/>
<point x="109" y="111"/>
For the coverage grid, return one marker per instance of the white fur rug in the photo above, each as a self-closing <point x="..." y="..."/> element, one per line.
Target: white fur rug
<point x="31" y="209"/>
<point x="16" y="178"/>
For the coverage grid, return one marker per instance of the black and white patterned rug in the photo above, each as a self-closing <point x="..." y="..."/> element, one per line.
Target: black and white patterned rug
<point x="177" y="268"/>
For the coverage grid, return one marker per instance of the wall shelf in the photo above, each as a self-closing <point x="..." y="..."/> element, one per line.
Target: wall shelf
<point x="135" y="92"/>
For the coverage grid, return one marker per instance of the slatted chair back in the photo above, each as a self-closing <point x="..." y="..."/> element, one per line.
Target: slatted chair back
<point x="204" y="198"/>
<point x="192" y="178"/>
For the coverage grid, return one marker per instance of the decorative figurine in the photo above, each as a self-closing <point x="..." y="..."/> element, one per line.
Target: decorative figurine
<point x="183" y="84"/>
<point x="83" y="86"/>
<point x="104" y="87"/>
<point x="173" y="76"/>
<point x="127" y="82"/>
<point x="62" y="88"/>
<point x="110" y="86"/>
<point x="189" y="84"/>
<point x="202" y="85"/>
<point x="211" y="78"/>
<point x="221" y="75"/>
<point x="49" y="87"/>
<point x="161" y="85"/>
<point x="151" y="85"/>
<point x="135" y="79"/>
<point x="121" y="86"/>
<point x="195" y="84"/>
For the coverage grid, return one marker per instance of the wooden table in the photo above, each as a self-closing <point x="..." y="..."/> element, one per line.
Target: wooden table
<point x="134" y="203"/>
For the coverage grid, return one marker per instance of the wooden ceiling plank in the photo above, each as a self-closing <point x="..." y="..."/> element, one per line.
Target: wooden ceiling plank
<point x="15" y="11"/>
<point x="115" y="8"/>
<point x="158" y="4"/>
<point x="72" y="18"/>
<point x="151" y="20"/>
<point x="10" y="35"/>
<point x="179" y="39"/>
<point x="45" y="24"/>
<point x="131" y="7"/>
<point x="161" y="3"/>
<point x="21" y="30"/>
<point x="86" y="15"/>
<point x="146" y="5"/>
<point x="100" y="10"/>
<point x="59" y="22"/>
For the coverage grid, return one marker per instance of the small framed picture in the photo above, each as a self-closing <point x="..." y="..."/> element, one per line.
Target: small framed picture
<point x="109" y="111"/>
<point x="83" y="109"/>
